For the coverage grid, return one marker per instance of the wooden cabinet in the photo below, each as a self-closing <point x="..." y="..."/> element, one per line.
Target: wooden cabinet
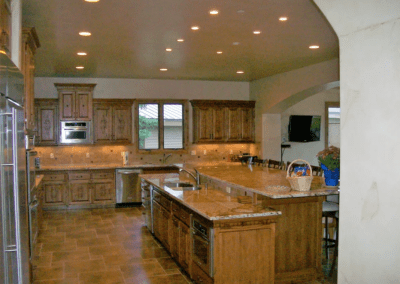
<point x="46" y="122"/>
<point x="75" y="101"/>
<point x="54" y="190"/>
<point x="184" y="246"/>
<point x="223" y="121"/>
<point x="103" y="187"/>
<point x="79" y="187"/>
<point x="30" y="42"/>
<point x="162" y="218"/>
<point x="5" y="26"/>
<point x="112" y="121"/>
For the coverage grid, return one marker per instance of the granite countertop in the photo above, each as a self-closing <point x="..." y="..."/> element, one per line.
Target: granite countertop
<point x="264" y="181"/>
<point x="107" y="166"/>
<point x="210" y="203"/>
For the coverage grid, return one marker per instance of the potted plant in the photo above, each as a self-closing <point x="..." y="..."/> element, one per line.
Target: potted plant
<point x="329" y="159"/>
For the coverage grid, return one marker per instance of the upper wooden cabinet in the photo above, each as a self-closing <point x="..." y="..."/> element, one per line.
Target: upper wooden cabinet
<point x="223" y="121"/>
<point x="46" y="122"/>
<point x="75" y="101"/>
<point x="5" y="26"/>
<point x="112" y="121"/>
<point x="30" y="42"/>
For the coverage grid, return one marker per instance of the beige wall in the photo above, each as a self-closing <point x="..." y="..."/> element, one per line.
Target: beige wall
<point x="369" y="228"/>
<point x="150" y="88"/>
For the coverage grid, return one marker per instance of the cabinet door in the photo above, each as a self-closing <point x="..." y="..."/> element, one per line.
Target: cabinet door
<point x="102" y="123"/>
<point x="184" y="246"/>
<point x="122" y="124"/>
<point x="103" y="191"/>
<point x="164" y="227"/>
<point x="203" y="120"/>
<point x="157" y="220"/>
<point x="54" y="193"/>
<point x="83" y="105"/>
<point x="219" y="127"/>
<point x="174" y="238"/>
<point x="67" y="105"/>
<point x="247" y="117"/>
<point x="79" y="191"/>
<point x="47" y="122"/>
<point x="234" y="124"/>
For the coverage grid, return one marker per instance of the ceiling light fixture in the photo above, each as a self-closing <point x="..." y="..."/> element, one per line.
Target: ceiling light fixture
<point x="85" y="34"/>
<point x="214" y="12"/>
<point x="195" y="28"/>
<point x="92" y="1"/>
<point x="240" y="11"/>
<point x="82" y="53"/>
<point x="283" y="19"/>
<point x="168" y="49"/>
<point x="240" y="72"/>
<point x="314" y="46"/>
<point x="236" y="43"/>
<point x="79" y="67"/>
<point x="180" y="40"/>
<point x="219" y="52"/>
<point x="163" y="69"/>
<point x="3" y="51"/>
<point x="256" y="32"/>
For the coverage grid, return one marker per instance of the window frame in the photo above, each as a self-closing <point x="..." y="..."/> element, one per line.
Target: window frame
<point x="161" y="103"/>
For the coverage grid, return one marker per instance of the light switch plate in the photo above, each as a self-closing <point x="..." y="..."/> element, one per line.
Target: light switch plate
<point x="51" y="156"/>
<point x="205" y="152"/>
<point x="193" y="152"/>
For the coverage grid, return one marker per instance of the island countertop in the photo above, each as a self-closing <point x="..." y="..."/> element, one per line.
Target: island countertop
<point x="264" y="181"/>
<point x="210" y="203"/>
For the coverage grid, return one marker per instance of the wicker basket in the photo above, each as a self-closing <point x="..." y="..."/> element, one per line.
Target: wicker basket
<point x="299" y="183"/>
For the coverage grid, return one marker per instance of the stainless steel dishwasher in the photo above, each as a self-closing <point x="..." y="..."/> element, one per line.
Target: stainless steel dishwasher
<point x="127" y="185"/>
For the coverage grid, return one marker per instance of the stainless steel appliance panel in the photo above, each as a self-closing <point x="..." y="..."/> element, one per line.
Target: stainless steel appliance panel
<point x="14" y="231"/>
<point x="128" y="189"/>
<point x="31" y="172"/>
<point x="75" y="132"/>
<point x="202" y="246"/>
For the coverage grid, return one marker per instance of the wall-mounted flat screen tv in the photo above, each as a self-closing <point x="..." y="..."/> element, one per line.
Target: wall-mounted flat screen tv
<point x="304" y="128"/>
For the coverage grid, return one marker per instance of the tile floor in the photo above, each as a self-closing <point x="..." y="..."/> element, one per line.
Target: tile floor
<point x="102" y="246"/>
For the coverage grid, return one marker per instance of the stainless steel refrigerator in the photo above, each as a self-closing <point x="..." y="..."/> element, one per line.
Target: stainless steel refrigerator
<point x="14" y="230"/>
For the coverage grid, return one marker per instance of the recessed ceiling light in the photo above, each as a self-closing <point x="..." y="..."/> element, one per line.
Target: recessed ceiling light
<point x="180" y="40"/>
<point x="214" y="12"/>
<point x="168" y="49"/>
<point x="240" y="11"/>
<point x="85" y="34"/>
<point x="163" y="69"/>
<point x="282" y="19"/>
<point x="240" y="72"/>
<point x="236" y="43"/>
<point x="3" y="51"/>
<point x="79" y="67"/>
<point x="256" y="32"/>
<point x="82" y="53"/>
<point x="314" y="46"/>
<point x="219" y="52"/>
<point x="92" y="1"/>
<point x="195" y="28"/>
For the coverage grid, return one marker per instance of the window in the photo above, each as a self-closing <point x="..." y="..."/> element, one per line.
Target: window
<point x="161" y="125"/>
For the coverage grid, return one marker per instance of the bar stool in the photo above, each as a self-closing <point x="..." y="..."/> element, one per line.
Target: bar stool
<point x="330" y="209"/>
<point x="275" y="164"/>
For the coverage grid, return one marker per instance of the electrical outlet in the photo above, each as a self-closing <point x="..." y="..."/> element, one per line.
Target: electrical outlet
<point x="193" y="152"/>
<point x="87" y="155"/>
<point x="205" y="152"/>
<point x="228" y="189"/>
<point x="51" y="156"/>
<point x="230" y="151"/>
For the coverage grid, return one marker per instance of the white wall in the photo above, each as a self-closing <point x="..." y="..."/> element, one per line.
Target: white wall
<point x="314" y="105"/>
<point x="150" y="88"/>
<point x="369" y="38"/>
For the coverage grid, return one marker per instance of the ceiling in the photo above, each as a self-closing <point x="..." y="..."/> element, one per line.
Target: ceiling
<point x="129" y="38"/>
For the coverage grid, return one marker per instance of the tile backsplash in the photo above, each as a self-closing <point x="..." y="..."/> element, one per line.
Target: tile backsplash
<point x="100" y="154"/>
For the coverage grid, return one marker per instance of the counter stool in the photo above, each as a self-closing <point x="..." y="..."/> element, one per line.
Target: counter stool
<point x="275" y="165"/>
<point x="330" y="210"/>
<point x="260" y="162"/>
<point x="316" y="171"/>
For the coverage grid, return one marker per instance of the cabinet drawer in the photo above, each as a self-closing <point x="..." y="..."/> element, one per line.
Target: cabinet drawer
<point x="184" y="216"/>
<point x="176" y="209"/>
<point x="157" y="196"/>
<point x="102" y="176"/>
<point x="79" y="176"/>
<point x="53" y="177"/>
<point x="166" y="203"/>
<point x="199" y="276"/>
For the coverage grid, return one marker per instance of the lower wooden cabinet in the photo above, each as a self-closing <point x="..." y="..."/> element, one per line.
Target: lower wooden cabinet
<point x="184" y="258"/>
<point x="78" y="189"/>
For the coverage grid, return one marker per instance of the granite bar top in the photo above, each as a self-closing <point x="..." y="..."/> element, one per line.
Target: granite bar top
<point x="66" y="167"/>
<point x="264" y="181"/>
<point x="210" y="203"/>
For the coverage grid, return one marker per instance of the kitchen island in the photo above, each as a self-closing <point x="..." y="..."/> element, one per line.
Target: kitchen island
<point x="298" y="231"/>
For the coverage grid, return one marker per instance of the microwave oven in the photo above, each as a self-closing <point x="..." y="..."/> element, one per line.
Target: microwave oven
<point x="76" y="132"/>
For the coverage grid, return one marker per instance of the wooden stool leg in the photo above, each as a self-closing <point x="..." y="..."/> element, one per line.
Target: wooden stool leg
<point x="335" y="254"/>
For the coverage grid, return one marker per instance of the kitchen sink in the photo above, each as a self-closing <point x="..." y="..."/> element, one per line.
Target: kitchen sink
<point x="180" y="186"/>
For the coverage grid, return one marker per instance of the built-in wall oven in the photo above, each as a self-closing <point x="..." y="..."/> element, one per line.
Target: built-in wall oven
<point x="75" y="132"/>
<point x="203" y="242"/>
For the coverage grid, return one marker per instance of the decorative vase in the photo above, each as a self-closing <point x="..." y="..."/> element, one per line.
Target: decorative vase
<point x="331" y="176"/>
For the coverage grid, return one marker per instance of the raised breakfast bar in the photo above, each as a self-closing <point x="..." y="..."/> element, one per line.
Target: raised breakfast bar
<point x="292" y="217"/>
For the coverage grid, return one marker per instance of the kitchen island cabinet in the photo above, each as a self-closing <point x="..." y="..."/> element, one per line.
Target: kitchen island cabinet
<point x="233" y="233"/>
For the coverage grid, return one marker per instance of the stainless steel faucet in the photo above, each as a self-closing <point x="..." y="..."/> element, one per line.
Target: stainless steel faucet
<point x="195" y="177"/>
<point x="165" y="158"/>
